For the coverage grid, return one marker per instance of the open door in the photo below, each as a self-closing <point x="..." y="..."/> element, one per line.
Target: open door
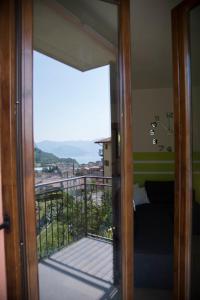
<point x="3" y="288"/>
<point x="17" y="149"/>
<point x="115" y="173"/>
<point x="186" y="31"/>
<point x="11" y="243"/>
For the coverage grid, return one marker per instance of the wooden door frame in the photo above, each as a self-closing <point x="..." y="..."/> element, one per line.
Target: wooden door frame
<point x="126" y="152"/>
<point x="17" y="148"/>
<point x="26" y="151"/>
<point x="8" y="148"/>
<point x="183" y="163"/>
<point x="17" y="129"/>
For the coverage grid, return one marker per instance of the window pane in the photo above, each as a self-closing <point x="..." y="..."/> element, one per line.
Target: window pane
<point x="76" y="132"/>
<point x="195" y="113"/>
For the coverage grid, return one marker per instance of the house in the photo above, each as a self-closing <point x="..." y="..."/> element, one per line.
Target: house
<point x="52" y="234"/>
<point x="106" y="153"/>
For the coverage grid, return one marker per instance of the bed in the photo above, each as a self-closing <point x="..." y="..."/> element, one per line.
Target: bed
<point x="153" y="242"/>
<point x="153" y="245"/>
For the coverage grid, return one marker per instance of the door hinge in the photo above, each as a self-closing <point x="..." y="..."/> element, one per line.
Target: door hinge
<point x="6" y="223"/>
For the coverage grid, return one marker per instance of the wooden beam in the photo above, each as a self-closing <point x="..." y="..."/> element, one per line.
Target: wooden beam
<point x="27" y="149"/>
<point x="183" y="150"/>
<point x="8" y="147"/>
<point x="126" y="150"/>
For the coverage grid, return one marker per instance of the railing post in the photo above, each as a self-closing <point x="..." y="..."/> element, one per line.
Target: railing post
<point x="85" y="206"/>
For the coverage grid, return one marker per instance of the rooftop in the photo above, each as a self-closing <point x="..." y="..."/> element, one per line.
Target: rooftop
<point x="106" y="140"/>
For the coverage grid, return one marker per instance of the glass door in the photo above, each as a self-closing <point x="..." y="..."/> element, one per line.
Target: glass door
<point x="186" y="47"/>
<point x="84" y="207"/>
<point x="74" y="45"/>
<point x="194" y="30"/>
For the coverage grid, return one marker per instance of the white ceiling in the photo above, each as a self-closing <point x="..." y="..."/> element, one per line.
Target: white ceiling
<point x="98" y="14"/>
<point x="151" y="36"/>
<point x="70" y="37"/>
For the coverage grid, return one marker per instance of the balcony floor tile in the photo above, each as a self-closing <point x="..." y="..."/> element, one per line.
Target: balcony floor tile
<point x="82" y="271"/>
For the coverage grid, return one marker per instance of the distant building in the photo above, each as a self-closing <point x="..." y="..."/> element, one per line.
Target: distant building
<point x="95" y="171"/>
<point x="106" y="153"/>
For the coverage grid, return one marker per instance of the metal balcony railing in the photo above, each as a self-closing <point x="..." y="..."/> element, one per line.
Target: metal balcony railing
<point x="69" y="209"/>
<point x="100" y="152"/>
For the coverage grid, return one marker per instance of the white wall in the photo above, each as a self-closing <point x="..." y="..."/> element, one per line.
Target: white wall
<point x="146" y="104"/>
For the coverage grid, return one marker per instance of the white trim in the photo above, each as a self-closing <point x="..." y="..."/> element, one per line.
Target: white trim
<point x="154" y="161"/>
<point x="153" y="172"/>
<point x="160" y="161"/>
<point x="159" y="172"/>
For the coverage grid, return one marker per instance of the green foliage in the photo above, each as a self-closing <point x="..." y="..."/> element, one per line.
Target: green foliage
<point x="63" y="218"/>
<point x="45" y="158"/>
<point x="100" y="215"/>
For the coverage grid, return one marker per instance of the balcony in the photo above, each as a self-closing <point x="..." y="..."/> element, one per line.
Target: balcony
<point x="74" y="238"/>
<point x="101" y="152"/>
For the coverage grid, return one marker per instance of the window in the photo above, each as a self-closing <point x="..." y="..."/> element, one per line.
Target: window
<point x="106" y="163"/>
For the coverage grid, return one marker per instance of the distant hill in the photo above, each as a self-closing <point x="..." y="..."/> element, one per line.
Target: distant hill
<point x="43" y="158"/>
<point x="82" y="151"/>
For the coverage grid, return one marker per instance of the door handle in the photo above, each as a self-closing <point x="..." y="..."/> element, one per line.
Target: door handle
<point x="6" y="223"/>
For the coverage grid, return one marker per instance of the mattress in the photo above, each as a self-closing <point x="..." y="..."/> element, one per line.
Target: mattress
<point x="153" y="261"/>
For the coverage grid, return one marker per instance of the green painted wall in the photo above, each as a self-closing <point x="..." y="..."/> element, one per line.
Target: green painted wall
<point x="160" y="166"/>
<point x="196" y="174"/>
<point x="153" y="166"/>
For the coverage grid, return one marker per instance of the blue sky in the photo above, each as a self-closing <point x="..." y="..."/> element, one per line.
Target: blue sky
<point x="69" y="104"/>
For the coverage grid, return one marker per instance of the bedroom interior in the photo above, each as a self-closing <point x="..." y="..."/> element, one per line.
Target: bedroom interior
<point x="153" y="146"/>
<point x="153" y="149"/>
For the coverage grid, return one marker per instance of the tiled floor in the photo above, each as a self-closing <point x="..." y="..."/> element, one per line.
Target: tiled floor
<point x="82" y="271"/>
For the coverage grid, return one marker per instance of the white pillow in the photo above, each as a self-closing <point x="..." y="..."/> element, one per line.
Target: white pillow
<point x="140" y="195"/>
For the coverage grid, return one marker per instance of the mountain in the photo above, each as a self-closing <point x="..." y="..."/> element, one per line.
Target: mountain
<point x="82" y="151"/>
<point x="44" y="158"/>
